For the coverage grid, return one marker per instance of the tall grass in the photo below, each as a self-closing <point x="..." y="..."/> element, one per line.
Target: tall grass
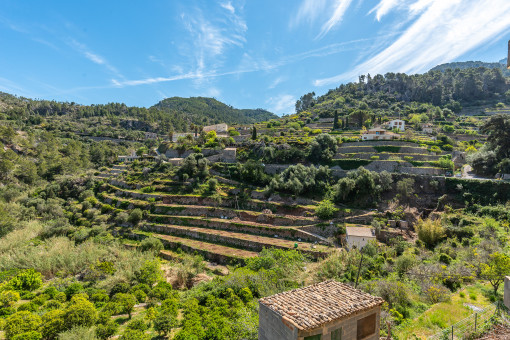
<point x="20" y="237"/>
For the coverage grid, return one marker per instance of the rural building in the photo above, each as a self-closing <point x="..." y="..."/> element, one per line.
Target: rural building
<point x="427" y="128"/>
<point x="328" y="310"/>
<point x="358" y="237"/>
<point x="218" y="128"/>
<point x="177" y="135"/>
<point x="151" y="135"/>
<point x="378" y="134"/>
<point x="398" y="124"/>
<point x="128" y="159"/>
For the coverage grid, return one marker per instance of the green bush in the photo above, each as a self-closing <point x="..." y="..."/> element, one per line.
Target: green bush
<point x="326" y="210"/>
<point x="135" y="216"/>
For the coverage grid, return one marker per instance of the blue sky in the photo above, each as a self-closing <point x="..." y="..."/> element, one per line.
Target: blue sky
<point x="248" y="54"/>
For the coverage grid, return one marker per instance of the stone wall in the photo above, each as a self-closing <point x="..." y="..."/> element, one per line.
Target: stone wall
<point x="257" y="246"/>
<point x="386" y="156"/>
<point x="174" y="153"/>
<point x="349" y="326"/>
<point x="264" y="230"/>
<point x="273" y="327"/>
<point x="360" y="148"/>
<point x="218" y="212"/>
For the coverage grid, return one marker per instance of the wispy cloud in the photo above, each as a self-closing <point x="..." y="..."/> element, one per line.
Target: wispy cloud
<point x="384" y="7"/>
<point x="228" y="6"/>
<point x="210" y="39"/>
<point x="282" y="104"/>
<point x="93" y="56"/>
<point x="248" y="64"/>
<point x="331" y="12"/>
<point x="441" y="32"/>
<point x="276" y="82"/>
<point x="340" y="8"/>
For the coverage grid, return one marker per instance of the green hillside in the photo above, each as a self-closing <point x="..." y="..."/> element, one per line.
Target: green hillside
<point x="210" y="110"/>
<point x="473" y="64"/>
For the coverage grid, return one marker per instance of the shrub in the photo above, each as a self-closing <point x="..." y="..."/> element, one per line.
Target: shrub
<point x="73" y="289"/>
<point x="52" y="324"/>
<point x="107" y="330"/>
<point x="135" y="216"/>
<point x="21" y="322"/>
<point x="212" y="184"/>
<point x="126" y="302"/>
<point x="32" y="335"/>
<point x="8" y="298"/>
<point x="132" y="334"/>
<point x="164" y="323"/>
<point x="149" y="273"/>
<point x="151" y="244"/>
<point x="430" y="232"/>
<point x="80" y="312"/>
<point x="82" y="333"/>
<point x="28" y="279"/>
<point x="325" y="210"/>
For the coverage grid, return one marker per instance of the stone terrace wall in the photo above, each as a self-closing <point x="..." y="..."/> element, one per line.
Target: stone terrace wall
<point x="230" y="241"/>
<point x="288" y="233"/>
<point x="361" y="148"/>
<point x="386" y="156"/>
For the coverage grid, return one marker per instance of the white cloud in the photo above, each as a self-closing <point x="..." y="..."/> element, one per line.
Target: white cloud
<point x="213" y="92"/>
<point x="340" y="8"/>
<point x="276" y="82"/>
<point x="384" y="7"/>
<point x="331" y="12"/>
<point x="228" y="6"/>
<point x="94" y="57"/>
<point x="441" y="32"/>
<point x="282" y="104"/>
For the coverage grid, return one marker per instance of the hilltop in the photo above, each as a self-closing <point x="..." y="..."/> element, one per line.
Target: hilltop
<point x="473" y="64"/>
<point x="214" y="111"/>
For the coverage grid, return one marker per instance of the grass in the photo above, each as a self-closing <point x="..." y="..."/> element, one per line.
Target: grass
<point x="445" y="314"/>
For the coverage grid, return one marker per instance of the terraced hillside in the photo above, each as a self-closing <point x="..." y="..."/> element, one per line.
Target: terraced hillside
<point x="224" y="230"/>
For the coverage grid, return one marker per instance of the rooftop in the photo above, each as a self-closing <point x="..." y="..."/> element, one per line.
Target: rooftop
<point x="359" y="231"/>
<point x="318" y="304"/>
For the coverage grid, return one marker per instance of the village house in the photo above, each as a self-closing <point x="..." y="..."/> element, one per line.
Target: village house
<point x="427" y="128"/>
<point x="151" y="135"/>
<point x="358" y="237"/>
<point x="398" y="124"/>
<point x="219" y="128"/>
<point x="378" y="134"/>
<point x="177" y="135"/>
<point x="328" y="310"/>
<point x="128" y="159"/>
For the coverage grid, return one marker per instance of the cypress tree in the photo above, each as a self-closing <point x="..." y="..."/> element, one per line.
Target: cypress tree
<point x="335" y="121"/>
<point x="254" y="133"/>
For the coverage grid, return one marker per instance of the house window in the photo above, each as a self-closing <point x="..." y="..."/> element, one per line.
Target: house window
<point x="314" y="337"/>
<point x="336" y="334"/>
<point x="366" y="326"/>
<point x="377" y="132"/>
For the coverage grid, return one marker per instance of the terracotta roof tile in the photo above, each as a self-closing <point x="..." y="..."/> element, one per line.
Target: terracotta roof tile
<point x="318" y="304"/>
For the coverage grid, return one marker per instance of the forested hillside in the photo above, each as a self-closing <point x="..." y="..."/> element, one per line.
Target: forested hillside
<point x="473" y="64"/>
<point x="120" y="120"/>
<point x="384" y="94"/>
<point x="203" y="110"/>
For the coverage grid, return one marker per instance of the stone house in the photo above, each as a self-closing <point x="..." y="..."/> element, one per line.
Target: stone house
<point x="151" y="135"/>
<point x="219" y="128"/>
<point x="379" y="134"/>
<point x="328" y="310"/>
<point x="128" y="159"/>
<point x="427" y="128"/>
<point x="177" y="135"/>
<point x="397" y="123"/>
<point x="358" y="237"/>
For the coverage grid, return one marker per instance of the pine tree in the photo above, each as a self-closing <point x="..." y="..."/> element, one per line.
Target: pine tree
<point x="335" y="121"/>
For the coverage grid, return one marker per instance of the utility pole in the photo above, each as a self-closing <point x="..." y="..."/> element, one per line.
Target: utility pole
<point x="359" y="268"/>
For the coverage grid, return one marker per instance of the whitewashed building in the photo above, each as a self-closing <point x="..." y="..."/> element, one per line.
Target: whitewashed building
<point x="359" y="237"/>
<point x="397" y="124"/>
<point x="378" y="134"/>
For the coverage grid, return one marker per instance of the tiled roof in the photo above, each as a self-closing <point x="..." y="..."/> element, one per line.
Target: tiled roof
<point x="318" y="304"/>
<point x="359" y="231"/>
